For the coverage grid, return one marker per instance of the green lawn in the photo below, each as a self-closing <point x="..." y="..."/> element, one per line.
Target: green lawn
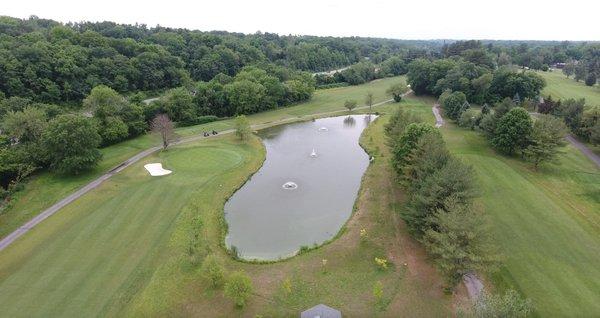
<point x="46" y="188"/>
<point x="559" y="86"/>
<point x="547" y="223"/>
<point x="93" y="254"/>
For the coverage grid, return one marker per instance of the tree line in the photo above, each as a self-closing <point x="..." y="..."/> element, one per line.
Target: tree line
<point x="51" y="62"/>
<point x="440" y="211"/>
<point x="474" y="78"/>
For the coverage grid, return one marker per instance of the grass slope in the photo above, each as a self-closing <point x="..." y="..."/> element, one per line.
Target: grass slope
<point x="547" y="223"/>
<point x="47" y="188"/>
<point x="559" y="86"/>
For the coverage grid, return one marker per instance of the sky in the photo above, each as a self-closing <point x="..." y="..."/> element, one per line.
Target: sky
<point x="399" y="19"/>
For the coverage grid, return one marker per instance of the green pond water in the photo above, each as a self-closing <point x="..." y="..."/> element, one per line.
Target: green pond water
<point x="305" y="190"/>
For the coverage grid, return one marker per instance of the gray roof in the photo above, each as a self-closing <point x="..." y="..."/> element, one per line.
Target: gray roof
<point x="321" y="311"/>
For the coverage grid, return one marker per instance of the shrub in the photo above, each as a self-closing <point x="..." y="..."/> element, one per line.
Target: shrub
<point x="213" y="271"/>
<point x="590" y="80"/>
<point x="238" y="288"/>
<point x="468" y="119"/>
<point x="381" y="262"/>
<point x="508" y="305"/>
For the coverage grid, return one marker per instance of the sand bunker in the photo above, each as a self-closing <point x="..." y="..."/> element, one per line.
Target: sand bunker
<point x="156" y="169"/>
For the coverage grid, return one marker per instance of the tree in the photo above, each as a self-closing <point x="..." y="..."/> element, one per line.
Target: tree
<point x="453" y="182"/>
<point x="508" y="305"/>
<point x="507" y="83"/>
<point x="569" y="69"/>
<point x="163" y="126"/>
<point x="459" y="243"/>
<point x="369" y="101"/>
<point x="178" y="105"/>
<point x="396" y="91"/>
<point x="485" y="109"/>
<point x="242" y="127"/>
<point x="350" y="104"/>
<point x="238" y="288"/>
<point x="397" y="124"/>
<point x="512" y="131"/>
<point x="26" y="125"/>
<point x="517" y="99"/>
<point x="112" y="130"/>
<point x="547" y="136"/>
<point x="571" y="110"/>
<point x="407" y="142"/>
<point x="429" y="156"/>
<point x="580" y="71"/>
<point x="453" y="104"/>
<point x="212" y="270"/>
<point x="548" y="106"/>
<point x="71" y="142"/>
<point x="590" y="79"/>
<point x="104" y="101"/>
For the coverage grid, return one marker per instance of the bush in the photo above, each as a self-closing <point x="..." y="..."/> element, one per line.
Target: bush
<point x="508" y="305"/>
<point x="238" y="288"/>
<point x="590" y="80"/>
<point x="113" y="130"/>
<point x="213" y="271"/>
<point x="468" y="119"/>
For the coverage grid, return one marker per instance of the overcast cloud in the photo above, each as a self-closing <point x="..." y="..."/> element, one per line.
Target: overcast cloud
<point x="415" y="19"/>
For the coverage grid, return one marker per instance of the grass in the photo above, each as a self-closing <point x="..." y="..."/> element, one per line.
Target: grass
<point x="546" y="222"/>
<point x="84" y="259"/>
<point x="559" y="86"/>
<point x="47" y="188"/>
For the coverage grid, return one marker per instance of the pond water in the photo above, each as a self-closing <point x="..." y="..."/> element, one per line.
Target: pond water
<point x="303" y="193"/>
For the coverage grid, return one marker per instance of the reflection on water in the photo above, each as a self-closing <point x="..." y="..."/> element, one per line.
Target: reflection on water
<point x="349" y="121"/>
<point x="270" y="221"/>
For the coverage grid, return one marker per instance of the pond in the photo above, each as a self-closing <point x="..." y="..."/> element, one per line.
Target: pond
<point x="305" y="190"/>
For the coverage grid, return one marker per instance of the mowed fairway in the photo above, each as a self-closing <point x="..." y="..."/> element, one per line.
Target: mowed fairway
<point x="546" y="222"/>
<point x="89" y="257"/>
<point x="47" y="188"/>
<point x="559" y="86"/>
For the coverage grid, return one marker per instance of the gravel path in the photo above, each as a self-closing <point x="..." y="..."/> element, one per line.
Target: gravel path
<point x="6" y="241"/>
<point x="439" y="121"/>
<point x="579" y="145"/>
<point x="584" y="149"/>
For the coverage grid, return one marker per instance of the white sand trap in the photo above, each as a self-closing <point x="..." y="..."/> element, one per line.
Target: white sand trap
<point x="156" y="169"/>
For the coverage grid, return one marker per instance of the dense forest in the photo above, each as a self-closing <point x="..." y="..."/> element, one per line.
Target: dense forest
<point x="51" y="62"/>
<point x="68" y="89"/>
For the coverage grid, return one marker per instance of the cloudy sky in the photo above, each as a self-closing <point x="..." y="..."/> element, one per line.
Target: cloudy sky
<point x="414" y="19"/>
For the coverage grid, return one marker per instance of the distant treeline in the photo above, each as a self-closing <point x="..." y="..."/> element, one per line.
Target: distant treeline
<point x="50" y="62"/>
